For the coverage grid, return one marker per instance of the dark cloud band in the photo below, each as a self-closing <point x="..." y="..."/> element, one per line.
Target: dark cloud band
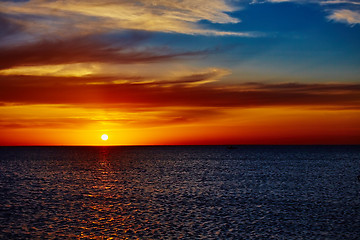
<point x="80" y="91"/>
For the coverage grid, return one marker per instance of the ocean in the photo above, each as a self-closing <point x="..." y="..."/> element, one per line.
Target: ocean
<point x="180" y="192"/>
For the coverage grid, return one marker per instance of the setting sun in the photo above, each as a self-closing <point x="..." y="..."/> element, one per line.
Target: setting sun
<point x="104" y="137"/>
<point x="69" y="83"/>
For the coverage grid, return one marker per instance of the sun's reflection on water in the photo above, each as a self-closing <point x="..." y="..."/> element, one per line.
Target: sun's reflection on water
<point x="110" y="210"/>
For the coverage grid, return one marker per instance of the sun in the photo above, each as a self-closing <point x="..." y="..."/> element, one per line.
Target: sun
<point x="104" y="137"/>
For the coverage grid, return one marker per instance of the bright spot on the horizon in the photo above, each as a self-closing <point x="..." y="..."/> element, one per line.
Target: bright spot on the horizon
<point x="104" y="137"/>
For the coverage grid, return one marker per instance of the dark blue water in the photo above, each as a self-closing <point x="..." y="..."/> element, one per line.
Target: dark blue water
<point x="199" y="192"/>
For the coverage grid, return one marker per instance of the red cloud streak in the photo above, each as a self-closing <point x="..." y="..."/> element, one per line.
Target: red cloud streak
<point x="72" y="90"/>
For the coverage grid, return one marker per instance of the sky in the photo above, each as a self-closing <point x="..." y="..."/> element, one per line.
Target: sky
<point x="165" y="72"/>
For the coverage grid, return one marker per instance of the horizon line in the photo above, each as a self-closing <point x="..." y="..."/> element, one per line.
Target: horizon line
<point x="170" y="145"/>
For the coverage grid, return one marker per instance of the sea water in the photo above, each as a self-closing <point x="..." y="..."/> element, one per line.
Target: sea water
<point x="180" y="192"/>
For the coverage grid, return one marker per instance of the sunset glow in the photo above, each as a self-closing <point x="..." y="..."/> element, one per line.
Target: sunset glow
<point x="183" y="72"/>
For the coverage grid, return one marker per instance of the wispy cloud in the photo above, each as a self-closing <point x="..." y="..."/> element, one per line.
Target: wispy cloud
<point x="75" y="117"/>
<point x="345" y="16"/>
<point x="8" y="27"/>
<point x="339" y="2"/>
<point x="88" y="49"/>
<point x="275" y="1"/>
<point x="344" y="11"/>
<point x="44" y="17"/>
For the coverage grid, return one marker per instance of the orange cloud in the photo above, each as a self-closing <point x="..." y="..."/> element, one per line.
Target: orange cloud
<point x="177" y="92"/>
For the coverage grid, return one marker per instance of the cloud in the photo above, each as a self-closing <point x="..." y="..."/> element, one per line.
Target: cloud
<point x="345" y="16"/>
<point x="339" y="2"/>
<point x="8" y="27"/>
<point x="142" y="102"/>
<point x="279" y="1"/>
<point x="343" y="11"/>
<point x="80" y="16"/>
<point x="88" y="49"/>
<point x="180" y="92"/>
<point x="45" y="123"/>
<point x="276" y="1"/>
<point x="75" y="117"/>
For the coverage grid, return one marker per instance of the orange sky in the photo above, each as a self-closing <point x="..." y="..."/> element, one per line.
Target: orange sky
<point x="149" y="74"/>
<point x="61" y="125"/>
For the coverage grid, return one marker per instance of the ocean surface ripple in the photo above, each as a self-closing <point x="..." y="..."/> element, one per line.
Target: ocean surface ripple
<point x="180" y="192"/>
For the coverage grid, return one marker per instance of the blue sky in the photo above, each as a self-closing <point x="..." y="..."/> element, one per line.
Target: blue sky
<point x="292" y="40"/>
